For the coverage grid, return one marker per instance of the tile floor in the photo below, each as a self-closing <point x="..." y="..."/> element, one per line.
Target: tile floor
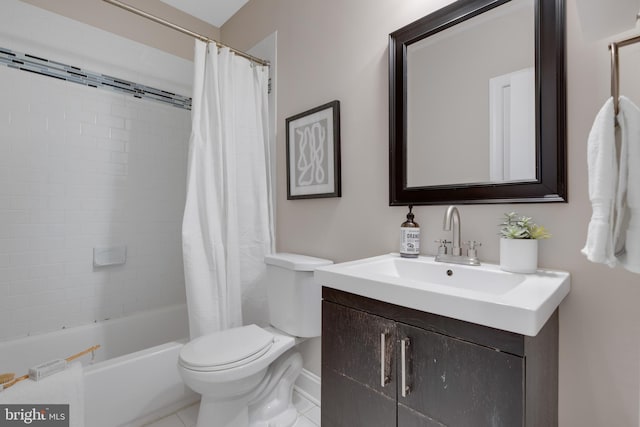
<point x="308" y="415"/>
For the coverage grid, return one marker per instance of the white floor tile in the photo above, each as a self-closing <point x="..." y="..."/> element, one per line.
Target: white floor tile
<point x="308" y="415"/>
<point x="189" y="416"/>
<point x="301" y="403"/>
<point x="170" y="421"/>
<point x="314" y="415"/>
<point x="304" y="422"/>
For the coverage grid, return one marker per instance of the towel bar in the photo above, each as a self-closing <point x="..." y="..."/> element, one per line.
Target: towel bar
<point x="615" y="72"/>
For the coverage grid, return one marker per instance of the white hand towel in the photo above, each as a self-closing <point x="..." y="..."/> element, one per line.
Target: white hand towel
<point x="629" y="190"/>
<point x="603" y="176"/>
<point x="60" y="388"/>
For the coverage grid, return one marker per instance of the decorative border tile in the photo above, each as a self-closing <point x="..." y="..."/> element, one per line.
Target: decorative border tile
<point x="49" y="68"/>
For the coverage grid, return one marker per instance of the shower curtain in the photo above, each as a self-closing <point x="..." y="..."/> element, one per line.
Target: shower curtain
<point x="228" y="219"/>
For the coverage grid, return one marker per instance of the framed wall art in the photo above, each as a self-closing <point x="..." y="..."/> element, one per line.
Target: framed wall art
<point x="313" y="153"/>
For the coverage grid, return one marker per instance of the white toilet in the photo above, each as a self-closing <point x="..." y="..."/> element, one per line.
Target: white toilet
<point x="246" y="375"/>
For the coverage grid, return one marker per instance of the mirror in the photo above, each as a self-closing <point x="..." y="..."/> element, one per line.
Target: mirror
<point x="477" y="104"/>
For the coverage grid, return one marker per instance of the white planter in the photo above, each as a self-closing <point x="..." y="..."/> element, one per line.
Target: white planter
<point x="519" y="255"/>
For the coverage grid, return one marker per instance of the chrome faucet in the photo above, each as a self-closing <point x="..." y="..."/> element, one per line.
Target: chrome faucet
<point x="452" y="215"/>
<point x="452" y="221"/>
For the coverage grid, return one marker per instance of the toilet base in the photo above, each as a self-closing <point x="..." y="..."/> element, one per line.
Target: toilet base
<point x="216" y="413"/>
<point x="268" y="404"/>
<point x="271" y="405"/>
<point x="285" y="419"/>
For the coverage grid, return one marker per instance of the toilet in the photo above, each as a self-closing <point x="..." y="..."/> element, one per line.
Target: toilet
<point x="246" y="374"/>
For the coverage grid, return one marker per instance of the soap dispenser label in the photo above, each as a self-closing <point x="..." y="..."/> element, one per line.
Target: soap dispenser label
<point x="410" y="240"/>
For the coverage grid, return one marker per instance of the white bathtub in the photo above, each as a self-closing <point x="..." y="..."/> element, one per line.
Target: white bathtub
<point x="134" y="378"/>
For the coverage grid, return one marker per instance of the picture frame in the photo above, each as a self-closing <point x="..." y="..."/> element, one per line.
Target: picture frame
<point x="313" y="153"/>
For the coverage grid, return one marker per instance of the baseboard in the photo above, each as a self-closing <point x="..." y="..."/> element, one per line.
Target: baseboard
<point x="308" y="385"/>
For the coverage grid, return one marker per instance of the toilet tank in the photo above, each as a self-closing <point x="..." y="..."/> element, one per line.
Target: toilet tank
<point x="294" y="297"/>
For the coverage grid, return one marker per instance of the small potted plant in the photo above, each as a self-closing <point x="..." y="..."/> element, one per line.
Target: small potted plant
<point x="519" y="243"/>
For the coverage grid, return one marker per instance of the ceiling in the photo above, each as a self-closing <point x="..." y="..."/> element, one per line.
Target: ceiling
<point x="215" y="12"/>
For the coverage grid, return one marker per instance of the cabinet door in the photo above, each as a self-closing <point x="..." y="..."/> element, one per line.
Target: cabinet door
<point x="457" y="383"/>
<point x="407" y="417"/>
<point x="348" y="403"/>
<point x="358" y="368"/>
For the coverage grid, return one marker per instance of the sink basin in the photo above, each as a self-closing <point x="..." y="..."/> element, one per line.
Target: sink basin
<point x="520" y="303"/>
<point x="423" y="272"/>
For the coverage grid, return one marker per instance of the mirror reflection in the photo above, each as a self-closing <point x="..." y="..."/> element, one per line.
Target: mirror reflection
<point x="471" y="101"/>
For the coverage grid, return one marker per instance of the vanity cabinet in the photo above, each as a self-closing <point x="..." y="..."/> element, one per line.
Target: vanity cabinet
<point x="386" y="365"/>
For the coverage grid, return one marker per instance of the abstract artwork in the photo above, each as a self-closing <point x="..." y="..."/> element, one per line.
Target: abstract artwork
<point x="313" y="153"/>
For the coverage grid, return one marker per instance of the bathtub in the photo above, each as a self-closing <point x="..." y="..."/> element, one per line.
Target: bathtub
<point x="133" y="379"/>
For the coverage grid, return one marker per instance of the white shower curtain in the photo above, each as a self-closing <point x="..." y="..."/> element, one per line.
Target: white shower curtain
<point x="228" y="219"/>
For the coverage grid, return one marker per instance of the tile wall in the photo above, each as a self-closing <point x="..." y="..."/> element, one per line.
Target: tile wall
<point x="82" y="168"/>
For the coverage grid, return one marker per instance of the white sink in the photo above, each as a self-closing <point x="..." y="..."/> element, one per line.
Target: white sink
<point x="520" y="303"/>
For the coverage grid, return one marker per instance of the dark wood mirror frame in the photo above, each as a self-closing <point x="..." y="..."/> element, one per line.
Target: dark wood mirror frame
<point x="551" y="160"/>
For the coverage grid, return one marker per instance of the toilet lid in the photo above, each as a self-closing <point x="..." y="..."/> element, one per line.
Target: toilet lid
<point x="226" y="349"/>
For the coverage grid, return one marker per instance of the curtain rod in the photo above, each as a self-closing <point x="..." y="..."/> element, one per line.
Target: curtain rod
<point x="183" y="30"/>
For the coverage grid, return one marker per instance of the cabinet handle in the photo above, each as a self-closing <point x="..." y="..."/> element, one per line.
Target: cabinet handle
<point x="404" y="345"/>
<point x="384" y="378"/>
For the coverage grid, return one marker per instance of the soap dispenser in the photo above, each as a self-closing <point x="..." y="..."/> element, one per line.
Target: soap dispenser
<point x="410" y="237"/>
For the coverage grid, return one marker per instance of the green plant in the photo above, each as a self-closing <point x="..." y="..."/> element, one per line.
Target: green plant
<point x="521" y="227"/>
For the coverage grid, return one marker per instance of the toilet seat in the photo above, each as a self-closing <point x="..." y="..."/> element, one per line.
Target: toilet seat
<point x="226" y="349"/>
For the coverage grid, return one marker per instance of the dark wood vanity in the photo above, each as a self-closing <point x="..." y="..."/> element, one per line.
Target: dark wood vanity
<point x="385" y="365"/>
